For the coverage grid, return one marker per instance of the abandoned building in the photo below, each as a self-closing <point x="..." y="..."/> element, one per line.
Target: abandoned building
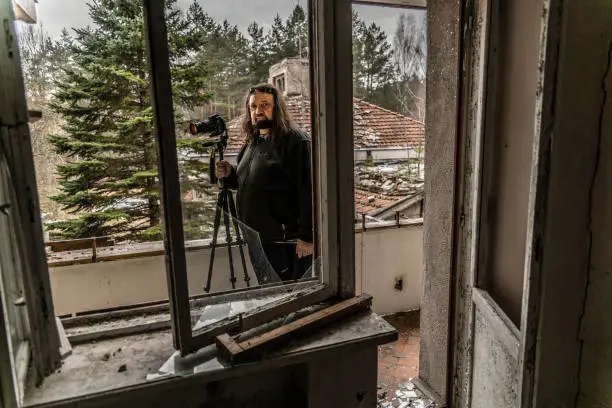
<point x="514" y="245"/>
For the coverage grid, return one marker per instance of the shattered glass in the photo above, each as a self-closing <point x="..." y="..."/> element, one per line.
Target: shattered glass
<point x="240" y="297"/>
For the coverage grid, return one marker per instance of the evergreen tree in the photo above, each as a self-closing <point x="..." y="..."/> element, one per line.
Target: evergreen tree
<point x="296" y="32"/>
<point x="222" y="58"/>
<point x="258" y="54"/>
<point x="276" y="40"/>
<point x="288" y="39"/>
<point x="373" y="68"/>
<point x="110" y="182"/>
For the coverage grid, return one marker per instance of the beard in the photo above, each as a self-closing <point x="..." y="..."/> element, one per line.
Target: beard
<point x="263" y="123"/>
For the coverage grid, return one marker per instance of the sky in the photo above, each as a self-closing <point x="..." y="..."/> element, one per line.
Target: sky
<point x="57" y="14"/>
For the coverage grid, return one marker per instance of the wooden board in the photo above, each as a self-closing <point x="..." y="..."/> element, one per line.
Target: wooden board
<point x="82" y="243"/>
<point x="249" y="350"/>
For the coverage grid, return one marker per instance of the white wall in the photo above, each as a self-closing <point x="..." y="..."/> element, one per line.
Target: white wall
<point x="382" y="255"/>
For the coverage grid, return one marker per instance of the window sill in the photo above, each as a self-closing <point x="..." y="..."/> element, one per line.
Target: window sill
<point x="96" y="370"/>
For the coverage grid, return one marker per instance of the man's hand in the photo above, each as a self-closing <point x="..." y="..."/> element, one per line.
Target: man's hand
<point x="303" y="248"/>
<point x="223" y="169"/>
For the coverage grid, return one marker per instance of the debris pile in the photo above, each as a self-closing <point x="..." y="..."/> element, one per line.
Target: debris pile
<point x="406" y="396"/>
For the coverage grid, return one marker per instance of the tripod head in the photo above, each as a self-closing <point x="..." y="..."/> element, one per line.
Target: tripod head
<point x="215" y="125"/>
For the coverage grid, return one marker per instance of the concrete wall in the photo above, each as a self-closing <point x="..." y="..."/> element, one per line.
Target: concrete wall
<point x="443" y="47"/>
<point x="392" y="153"/>
<point x="102" y="285"/>
<point x="296" y="73"/>
<point x="382" y="255"/>
<point x="596" y="334"/>
<point x="575" y="339"/>
<point x="593" y="46"/>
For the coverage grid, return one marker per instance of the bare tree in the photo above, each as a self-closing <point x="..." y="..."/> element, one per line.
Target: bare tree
<point x="410" y="55"/>
<point x="37" y="49"/>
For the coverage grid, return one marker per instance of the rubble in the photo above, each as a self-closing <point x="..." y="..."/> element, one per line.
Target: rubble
<point x="406" y="396"/>
<point x="392" y="178"/>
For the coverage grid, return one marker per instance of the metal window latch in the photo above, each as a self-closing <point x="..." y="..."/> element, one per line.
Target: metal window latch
<point x="4" y="207"/>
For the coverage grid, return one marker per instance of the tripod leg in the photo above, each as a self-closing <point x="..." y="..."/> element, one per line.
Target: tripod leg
<point x="214" y="241"/>
<point x="232" y="208"/>
<point x="228" y="237"/>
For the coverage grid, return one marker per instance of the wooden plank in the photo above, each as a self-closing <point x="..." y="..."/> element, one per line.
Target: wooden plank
<point x="254" y="348"/>
<point x="165" y="133"/>
<point x="227" y="347"/>
<point x="82" y="243"/>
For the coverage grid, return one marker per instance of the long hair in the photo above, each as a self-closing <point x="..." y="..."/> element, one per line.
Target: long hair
<point x="281" y="121"/>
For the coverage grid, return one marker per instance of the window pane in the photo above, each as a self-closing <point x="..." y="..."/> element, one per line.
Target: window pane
<point x="86" y="73"/>
<point x="241" y="94"/>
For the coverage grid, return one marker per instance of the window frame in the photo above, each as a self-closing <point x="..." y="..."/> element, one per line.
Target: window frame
<point x="331" y="93"/>
<point x="39" y="334"/>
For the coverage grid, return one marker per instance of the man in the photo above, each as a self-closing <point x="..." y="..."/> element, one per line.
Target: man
<point x="273" y="178"/>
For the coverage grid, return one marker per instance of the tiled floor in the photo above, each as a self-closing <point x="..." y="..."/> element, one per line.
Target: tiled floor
<point x="398" y="362"/>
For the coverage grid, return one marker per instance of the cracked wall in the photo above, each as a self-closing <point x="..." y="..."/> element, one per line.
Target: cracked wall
<point x="575" y="335"/>
<point x="595" y="375"/>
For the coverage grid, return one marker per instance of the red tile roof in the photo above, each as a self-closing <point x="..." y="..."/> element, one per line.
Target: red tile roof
<point x="373" y="126"/>
<point x="367" y="202"/>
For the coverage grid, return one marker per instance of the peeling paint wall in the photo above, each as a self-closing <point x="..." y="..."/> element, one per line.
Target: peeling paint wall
<point x="495" y="368"/>
<point x="443" y="16"/>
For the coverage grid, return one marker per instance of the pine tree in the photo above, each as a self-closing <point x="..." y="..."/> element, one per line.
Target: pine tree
<point x="373" y="68"/>
<point x="296" y="33"/>
<point x="276" y="40"/>
<point x="258" y="54"/>
<point x="110" y="183"/>
<point x="288" y="39"/>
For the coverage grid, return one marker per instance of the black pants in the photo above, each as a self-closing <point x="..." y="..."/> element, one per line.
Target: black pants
<point x="284" y="260"/>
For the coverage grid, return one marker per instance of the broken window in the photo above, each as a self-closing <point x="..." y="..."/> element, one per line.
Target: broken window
<point x="127" y="109"/>
<point x="279" y="82"/>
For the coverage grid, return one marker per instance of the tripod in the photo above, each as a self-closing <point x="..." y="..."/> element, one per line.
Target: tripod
<point x="225" y="203"/>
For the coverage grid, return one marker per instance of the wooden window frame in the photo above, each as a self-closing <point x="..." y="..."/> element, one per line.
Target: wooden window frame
<point x="331" y="90"/>
<point x="39" y="337"/>
<point x="331" y="87"/>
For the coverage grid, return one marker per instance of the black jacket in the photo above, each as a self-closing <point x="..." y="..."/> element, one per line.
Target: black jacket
<point x="275" y="187"/>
